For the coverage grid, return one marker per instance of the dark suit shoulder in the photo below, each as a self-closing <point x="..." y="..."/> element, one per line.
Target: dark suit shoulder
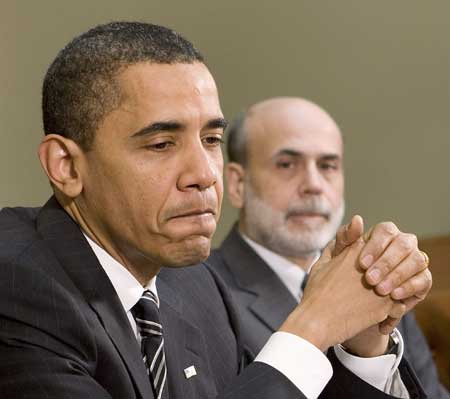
<point x="32" y="279"/>
<point x="17" y="231"/>
<point x="238" y="264"/>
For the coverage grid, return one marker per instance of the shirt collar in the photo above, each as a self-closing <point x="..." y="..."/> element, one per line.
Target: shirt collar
<point x="128" y="289"/>
<point x="289" y="273"/>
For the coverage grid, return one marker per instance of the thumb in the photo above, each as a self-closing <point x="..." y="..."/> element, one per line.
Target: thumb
<point x="348" y="234"/>
<point x="324" y="257"/>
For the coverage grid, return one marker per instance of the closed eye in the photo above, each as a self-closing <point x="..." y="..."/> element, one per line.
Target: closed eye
<point x="329" y="166"/>
<point x="161" y="146"/>
<point x="285" y="164"/>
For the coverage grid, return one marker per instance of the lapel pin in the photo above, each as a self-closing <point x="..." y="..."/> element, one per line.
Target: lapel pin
<point x="190" y="372"/>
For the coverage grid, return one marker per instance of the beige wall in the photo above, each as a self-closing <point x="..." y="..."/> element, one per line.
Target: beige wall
<point x="382" y="68"/>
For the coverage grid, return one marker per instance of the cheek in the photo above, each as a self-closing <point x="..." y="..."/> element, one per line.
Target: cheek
<point x="138" y="191"/>
<point x="153" y="191"/>
<point x="278" y="198"/>
<point x="336" y="194"/>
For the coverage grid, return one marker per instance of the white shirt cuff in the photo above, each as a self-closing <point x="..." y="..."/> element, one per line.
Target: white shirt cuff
<point x="380" y="372"/>
<point x="299" y="360"/>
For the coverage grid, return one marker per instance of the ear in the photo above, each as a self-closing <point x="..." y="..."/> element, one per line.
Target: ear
<point x="60" y="157"/>
<point x="235" y="174"/>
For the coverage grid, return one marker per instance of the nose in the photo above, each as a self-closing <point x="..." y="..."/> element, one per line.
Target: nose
<point x="312" y="182"/>
<point x="201" y="170"/>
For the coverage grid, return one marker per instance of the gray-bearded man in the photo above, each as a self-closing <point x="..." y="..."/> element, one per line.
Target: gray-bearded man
<point x="285" y="175"/>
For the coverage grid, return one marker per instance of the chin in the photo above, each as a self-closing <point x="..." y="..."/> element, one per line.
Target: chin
<point x="189" y="252"/>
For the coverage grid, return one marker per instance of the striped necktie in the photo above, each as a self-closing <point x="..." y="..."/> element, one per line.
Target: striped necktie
<point x="146" y="314"/>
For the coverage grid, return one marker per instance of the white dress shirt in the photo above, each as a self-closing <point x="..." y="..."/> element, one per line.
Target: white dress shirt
<point x="301" y="362"/>
<point x="128" y="289"/>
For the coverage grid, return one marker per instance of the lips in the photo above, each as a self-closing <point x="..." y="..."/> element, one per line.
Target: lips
<point x="308" y="215"/>
<point x="194" y="213"/>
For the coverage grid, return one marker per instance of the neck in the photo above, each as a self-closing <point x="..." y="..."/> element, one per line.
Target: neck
<point x="303" y="261"/>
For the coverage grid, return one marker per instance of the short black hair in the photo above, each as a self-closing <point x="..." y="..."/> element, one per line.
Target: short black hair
<point x="80" y="86"/>
<point x="237" y="140"/>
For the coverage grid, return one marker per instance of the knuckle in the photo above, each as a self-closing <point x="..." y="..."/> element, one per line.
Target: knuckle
<point x="408" y="288"/>
<point x="415" y="285"/>
<point x="419" y="260"/>
<point x="414" y="239"/>
<point x="384" y="266"/>
<point x="422" y="283"/>
<point x="389" y="228"/>
<point x="404" y="243"/>
<point x="396" y="277"/>
<point x="407" y="242"/>
<point x="428" y="277"/>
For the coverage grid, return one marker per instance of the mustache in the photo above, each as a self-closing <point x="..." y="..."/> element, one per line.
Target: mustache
<point x="310" y="205"/>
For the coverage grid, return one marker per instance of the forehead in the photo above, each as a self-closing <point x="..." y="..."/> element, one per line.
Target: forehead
<point x="299" y="127"/>
<point x="168" y="88"/>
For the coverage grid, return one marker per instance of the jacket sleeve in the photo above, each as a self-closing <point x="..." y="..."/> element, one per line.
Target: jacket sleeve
<point x="418" y="353"/>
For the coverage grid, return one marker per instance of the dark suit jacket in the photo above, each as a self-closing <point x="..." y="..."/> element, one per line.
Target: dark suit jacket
<point x="263" y="302"/>
<point x="64" y="333"/>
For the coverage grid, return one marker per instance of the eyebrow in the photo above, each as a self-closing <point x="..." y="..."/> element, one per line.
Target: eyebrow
<point x="299" y="154"/>
<point x="217" y="123"/>
<point x="174" y="126"/>
<point x="166" y="126"/>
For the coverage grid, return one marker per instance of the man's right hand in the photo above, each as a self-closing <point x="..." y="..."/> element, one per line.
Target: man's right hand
<point x="337" y="303"/>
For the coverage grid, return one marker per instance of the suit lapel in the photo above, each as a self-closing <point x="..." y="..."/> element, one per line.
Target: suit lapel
<point x="273" y="301"/>
<point x="184" y="345"/>
<point x="63" y="235"/>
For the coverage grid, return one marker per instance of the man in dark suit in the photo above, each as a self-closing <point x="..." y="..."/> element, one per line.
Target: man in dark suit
<point x="286" y="177"/>
<point x="132" y="150"/>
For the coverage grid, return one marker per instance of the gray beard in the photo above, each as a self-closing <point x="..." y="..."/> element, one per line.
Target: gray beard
<point x="269" y="227"/>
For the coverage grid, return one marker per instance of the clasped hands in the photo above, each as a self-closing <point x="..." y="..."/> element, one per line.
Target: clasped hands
<point x="360" y="288"/>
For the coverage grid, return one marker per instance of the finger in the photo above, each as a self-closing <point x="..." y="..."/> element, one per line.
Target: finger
<point x="401" y="246"/>
<point x="397" y="310"/>
<point x="388" y="325"/>
<point x="417" y="286"/>
<point x="326" y="253"/>
<point x="378" y="239"/>
<point x="348" y="234"/>
<point x="407" y="269"/>
<point x="324" y="257"/>
<point x="401" y="273"/>
<point x="412" y="302"/>
<point x="394" y="316"/>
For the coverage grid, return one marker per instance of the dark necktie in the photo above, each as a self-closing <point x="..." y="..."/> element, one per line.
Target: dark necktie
<point x="146" y="314"/>
<point x="304" y="282"/>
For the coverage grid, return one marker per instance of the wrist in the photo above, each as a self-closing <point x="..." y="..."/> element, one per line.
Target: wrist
<point x="309" y="328"/>
<point x="389" y="345"/>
